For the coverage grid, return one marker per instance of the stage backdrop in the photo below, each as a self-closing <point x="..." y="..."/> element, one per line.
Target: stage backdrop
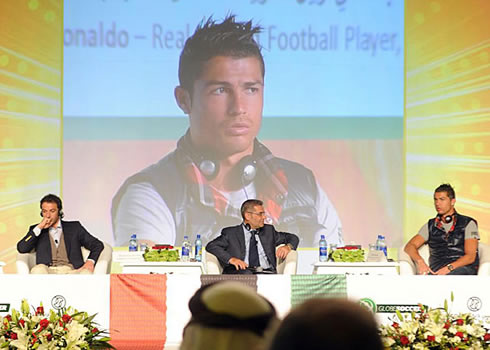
<point x="447" y="104"/>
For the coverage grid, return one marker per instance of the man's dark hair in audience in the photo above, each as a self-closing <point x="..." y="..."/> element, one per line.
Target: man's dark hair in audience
<point x="328" y="323"/>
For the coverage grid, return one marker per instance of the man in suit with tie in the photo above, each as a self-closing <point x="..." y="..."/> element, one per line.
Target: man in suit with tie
<point x="58" y="243"/>
<point x="251" y="246"/>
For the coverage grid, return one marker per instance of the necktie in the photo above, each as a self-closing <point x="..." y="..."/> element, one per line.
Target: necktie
<point x="253" y="253"/>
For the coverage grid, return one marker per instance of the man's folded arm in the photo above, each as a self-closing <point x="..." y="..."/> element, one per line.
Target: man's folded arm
<point x="287" y="238"/>
<point x="94" y="245"/>
<point x="28" y="242"/>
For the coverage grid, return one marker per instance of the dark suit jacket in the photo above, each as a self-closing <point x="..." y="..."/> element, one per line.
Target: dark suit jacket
<point x="231" y="243"/>
<point x="76" y="236"/>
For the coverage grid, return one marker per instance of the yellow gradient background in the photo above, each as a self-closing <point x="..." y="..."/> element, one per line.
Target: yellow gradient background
<point x="30" y="114"/>
<point x="447" y="124"/>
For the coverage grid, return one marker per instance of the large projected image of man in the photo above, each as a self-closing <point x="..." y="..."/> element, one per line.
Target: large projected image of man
<point x="218" y="164"/>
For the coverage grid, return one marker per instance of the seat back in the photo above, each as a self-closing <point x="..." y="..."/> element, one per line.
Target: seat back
<point x="26" y="261"/>
<point x="289" y="265"/>
<point x="484" y="255"/>
<point x="213" y="267"/>
<point x="286" y="266"/>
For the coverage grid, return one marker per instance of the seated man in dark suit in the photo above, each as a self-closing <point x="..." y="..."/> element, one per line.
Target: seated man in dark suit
<point x="251" y="247"/>
<point x="58" y="243"/>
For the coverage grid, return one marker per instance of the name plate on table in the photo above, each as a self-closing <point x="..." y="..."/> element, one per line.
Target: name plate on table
<point x="376" y="256"/>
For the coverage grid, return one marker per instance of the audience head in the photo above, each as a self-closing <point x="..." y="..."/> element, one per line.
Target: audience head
<point x="328" y="323"/>
<point x="228" y="315"/>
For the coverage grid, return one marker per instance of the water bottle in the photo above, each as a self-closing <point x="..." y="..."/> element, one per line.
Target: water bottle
<point x="381" y="244"/>
<point x="198" y="251"/>
<point x="133" y="243"/>
<point x="186" y="249"/>
<point x="323" y="249"/>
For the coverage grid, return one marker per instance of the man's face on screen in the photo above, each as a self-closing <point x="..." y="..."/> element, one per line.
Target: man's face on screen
<point x="226" y="106"/>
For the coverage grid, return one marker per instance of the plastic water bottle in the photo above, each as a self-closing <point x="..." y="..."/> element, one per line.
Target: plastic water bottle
<point x="381" y="244"/>
<point x="186" y="249"/>
<point x="133" y="243"/>
<point x="198" y="248"/>
<point x="323" y="249"/>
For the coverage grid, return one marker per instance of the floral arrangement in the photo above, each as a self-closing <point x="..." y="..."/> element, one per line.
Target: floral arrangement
<point x="435" y="329"/>
<point x="65" y="329"/>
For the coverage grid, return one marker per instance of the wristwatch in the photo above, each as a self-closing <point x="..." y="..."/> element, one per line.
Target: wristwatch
<point x="290" y="246"/>
<point x="450" y="267"/>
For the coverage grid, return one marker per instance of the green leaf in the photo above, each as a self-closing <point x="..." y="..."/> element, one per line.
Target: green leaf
<point x="89" y="319"/>
<point x="399" y="314"/>
<point x="15" y="316"/>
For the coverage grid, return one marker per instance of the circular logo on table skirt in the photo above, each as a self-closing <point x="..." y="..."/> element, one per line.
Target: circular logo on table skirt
<point x="474" y="304"/>
<point x="368" y="304"/>
<point x="58" y="302"/>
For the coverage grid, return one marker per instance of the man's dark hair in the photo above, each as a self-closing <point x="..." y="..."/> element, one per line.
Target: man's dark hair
<point x="249" y="204"/>
<point x="211" y="39"/>
<point x="328" y="323"/>
<point x="448" y="189"/>
<point x="52" y="198"/>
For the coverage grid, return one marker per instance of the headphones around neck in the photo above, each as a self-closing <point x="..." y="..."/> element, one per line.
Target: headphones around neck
<point x="249" y="228"/>
<point x="209" y="166"/>
<point x="448" y="219"/>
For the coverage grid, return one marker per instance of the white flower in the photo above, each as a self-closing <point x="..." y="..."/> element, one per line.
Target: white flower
<point x="436" y="330"/>
<point x="409" y="326"/>
<point x="388" y="341"/>
<point x="475" y="330"/>
<point x="75" y="336"/>
<point x="454" y="340"/>
<point x="452" y="330"/>
<point x="420" y="346"/>
<point x="21" y="342"/>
